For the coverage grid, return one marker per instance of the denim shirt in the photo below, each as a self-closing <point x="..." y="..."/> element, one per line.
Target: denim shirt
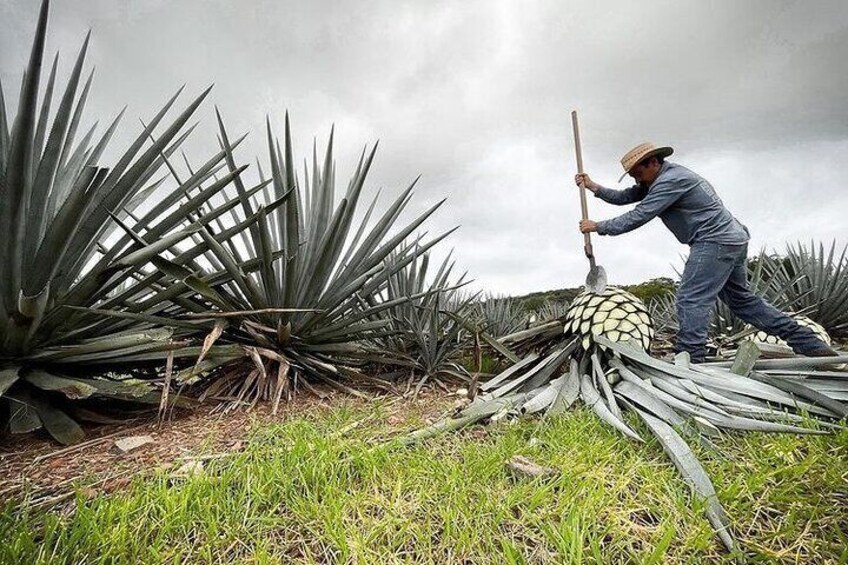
<point x="686" y="203"/>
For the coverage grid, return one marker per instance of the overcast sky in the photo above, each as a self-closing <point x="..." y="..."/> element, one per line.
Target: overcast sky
<point x="475" y="97"/>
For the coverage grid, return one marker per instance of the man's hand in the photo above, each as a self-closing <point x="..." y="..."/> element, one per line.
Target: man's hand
<point x="588" y="226"/>
<point x="587" y="182"/>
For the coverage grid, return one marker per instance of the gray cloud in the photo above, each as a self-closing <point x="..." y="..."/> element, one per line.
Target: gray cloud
<point x="475" y="97"/>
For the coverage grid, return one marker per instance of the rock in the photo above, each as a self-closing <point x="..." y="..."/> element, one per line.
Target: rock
<point x="520" y="466"/>
<point x="87" y="492"/>
<point x="132" y="443"/>
<point x="460" y="403"/>
<point x="189" y="468"/>
<point x="461" y="392"/>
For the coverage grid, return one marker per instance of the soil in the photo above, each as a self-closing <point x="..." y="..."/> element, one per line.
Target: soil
<point x="36" y="469"/>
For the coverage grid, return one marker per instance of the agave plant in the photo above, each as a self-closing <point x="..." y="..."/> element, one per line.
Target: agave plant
<point x="499" y="316"/>
<point x="820" y="284"/>
<point x="663" y="313"/>
<point x="60" y="259"/>
<point x="591" y="359"/>
<point x="551" y="310"/>
<point x="310" y="309"/>
<point x="426" y="320"/>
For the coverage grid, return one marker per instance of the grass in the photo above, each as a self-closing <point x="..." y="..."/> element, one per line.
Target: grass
<point x="322" y="490"/>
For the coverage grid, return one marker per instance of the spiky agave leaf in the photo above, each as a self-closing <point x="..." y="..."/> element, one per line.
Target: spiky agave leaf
<point x="663" y="312"/>
<point x="821" y="287"/>
<point x="425" y="319"/>
<point x="551" y="310"/>
<point x="56" y="205"/>
<point x="314" y="300"/>
<point x="499" y="315"/>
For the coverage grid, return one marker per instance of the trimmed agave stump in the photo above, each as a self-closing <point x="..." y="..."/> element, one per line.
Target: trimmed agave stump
<point x="599" y="355"/>
<point x="616" y="314"/>
<point x="818" y="329"/>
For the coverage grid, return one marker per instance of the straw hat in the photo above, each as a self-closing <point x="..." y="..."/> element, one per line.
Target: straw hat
<point x="640" y="153"/>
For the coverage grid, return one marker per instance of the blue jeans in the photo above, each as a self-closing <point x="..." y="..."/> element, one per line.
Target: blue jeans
<point x="720" y="271"/>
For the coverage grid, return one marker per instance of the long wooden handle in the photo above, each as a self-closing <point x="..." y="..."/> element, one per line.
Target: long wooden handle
<point x="584" y="209"/>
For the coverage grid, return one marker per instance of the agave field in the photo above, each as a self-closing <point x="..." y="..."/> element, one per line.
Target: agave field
<point x="158" y="280"/>
<point x="245" y="287"/>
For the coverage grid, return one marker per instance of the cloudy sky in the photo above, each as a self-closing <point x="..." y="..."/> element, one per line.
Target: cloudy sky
<point x="475" y="97"/>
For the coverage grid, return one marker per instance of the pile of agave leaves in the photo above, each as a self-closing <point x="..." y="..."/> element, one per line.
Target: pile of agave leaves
<point x="678" y="402"/>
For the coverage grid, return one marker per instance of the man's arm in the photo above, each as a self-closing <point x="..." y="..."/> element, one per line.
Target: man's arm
<point x="618" y="197"/>
<point x="661" y="196"/>
<point x="621" y="197"/>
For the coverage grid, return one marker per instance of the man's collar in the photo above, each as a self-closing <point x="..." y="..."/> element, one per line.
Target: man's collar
<point x="663" y="169"/>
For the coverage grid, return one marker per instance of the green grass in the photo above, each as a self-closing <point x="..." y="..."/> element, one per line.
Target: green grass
<point x="314" y="490"/>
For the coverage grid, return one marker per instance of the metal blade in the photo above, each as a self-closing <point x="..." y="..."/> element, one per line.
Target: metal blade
<point x="596" y="280"/>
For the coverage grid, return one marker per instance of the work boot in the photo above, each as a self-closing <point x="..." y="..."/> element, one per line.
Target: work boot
<point x="821" y="352"/>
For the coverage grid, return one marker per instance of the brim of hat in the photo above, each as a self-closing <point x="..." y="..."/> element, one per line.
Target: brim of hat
<point x="657" y="152"/>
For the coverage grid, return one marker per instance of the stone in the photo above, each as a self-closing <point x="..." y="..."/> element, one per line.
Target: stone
<point x="132" y="443"/>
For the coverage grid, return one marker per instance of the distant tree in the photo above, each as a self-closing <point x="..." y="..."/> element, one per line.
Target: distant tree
<point x="533" y="303"/>
<point x="654" y="288"/>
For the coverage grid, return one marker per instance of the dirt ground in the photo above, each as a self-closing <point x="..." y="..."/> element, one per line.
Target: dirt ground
<point x="38" y="469"/>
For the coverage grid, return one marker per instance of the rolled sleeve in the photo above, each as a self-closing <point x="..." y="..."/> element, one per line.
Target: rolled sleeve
<point x="662" y="195"/>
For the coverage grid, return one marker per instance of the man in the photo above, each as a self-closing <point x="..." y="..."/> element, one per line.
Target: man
<point x="689" y="207"/>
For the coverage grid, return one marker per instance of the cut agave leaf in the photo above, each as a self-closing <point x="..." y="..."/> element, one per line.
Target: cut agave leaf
<point x="441" y="427"/>
<point x="688" y="466"/>
<point x="568" y="392"/>
<point x="840" y="409"/>
<point x="485" y="408"/>
<point x="640" y="396"/>
<point x="513" y="369"/>
<point x="545" y="398"/>
<point x="592" y="398"/>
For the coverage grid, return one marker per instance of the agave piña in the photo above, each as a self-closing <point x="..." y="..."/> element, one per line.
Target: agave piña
<point x="616" y="314"/>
